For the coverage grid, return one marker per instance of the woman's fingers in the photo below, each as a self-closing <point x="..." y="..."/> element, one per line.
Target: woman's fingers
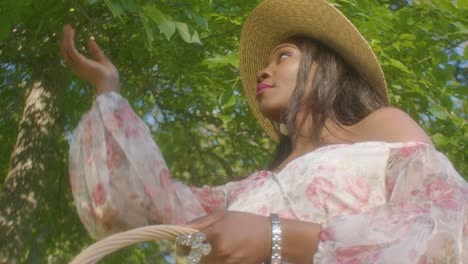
<point x="96" y="52"/>
<point x="71" y="55"/>
<point x="63" y="48"/>
<point x="68" y="44"/>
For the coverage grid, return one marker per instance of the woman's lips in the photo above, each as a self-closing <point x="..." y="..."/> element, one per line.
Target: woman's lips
<point x="262" y="87"/>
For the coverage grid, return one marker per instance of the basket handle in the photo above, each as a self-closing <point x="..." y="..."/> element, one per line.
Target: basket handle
<point x="100" y="249"/>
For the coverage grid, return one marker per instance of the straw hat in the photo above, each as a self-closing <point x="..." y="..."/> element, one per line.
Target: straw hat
<point x="275" y="20"/>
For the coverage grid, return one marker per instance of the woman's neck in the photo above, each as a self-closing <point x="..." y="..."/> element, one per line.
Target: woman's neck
<point x="302" y="141"/>
<point x="302" y="144"/>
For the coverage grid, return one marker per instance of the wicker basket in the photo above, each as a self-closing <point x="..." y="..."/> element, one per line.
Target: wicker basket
<point x="110" y="244"/>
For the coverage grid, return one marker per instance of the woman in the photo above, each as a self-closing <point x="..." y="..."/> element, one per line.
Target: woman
<point x="353" y="181"/>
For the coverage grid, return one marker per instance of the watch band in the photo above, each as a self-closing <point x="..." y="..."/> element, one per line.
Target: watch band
<point x="275" y="239"/>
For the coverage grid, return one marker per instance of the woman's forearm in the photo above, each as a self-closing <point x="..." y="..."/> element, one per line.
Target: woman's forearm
<point x="299" y="240"/>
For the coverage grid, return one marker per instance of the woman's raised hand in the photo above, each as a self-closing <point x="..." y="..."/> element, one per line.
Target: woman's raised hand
<point x="100" y="72"/>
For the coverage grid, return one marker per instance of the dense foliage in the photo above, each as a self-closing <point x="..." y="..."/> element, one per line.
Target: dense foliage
<point x="179" y="70"/>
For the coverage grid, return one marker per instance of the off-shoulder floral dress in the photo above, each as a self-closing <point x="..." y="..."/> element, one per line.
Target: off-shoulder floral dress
<point x="377" y="202"/>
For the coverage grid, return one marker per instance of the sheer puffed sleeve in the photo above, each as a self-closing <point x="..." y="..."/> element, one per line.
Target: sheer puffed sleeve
<point x="119" y="178"/>
<point x="423" y="221"/>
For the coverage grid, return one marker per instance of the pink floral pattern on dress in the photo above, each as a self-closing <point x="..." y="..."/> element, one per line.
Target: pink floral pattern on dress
<point x="148" y="191"/>
<point x="110" y="154"/>
<point x="239" y="190"/>
<point x="442" y="193"/>
<point x="358" y="188"/>
<point x="210" y="198"/>
<point x="250" y="183"/>
<point x="319" y="191"/>
<point x="99" y="194"/>
<point x="357" y="255"/>
<point x="165" y="178"/>
<point x="406" y="151"/>
<point x="377" y="202"/>
<point x="125" y="119"/>
<point x="409" y="207"/>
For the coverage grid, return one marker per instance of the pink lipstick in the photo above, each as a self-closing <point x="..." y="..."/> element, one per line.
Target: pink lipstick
<point x="262" y="87"/>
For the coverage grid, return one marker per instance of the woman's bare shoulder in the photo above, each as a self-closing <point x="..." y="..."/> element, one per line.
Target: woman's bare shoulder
<point x="391" y="125"/>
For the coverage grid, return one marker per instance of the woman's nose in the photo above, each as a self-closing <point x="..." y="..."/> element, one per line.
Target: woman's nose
<point x="263" y="75"/>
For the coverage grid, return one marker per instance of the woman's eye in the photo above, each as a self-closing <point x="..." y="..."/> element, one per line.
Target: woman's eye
<point x="283" y="56"/>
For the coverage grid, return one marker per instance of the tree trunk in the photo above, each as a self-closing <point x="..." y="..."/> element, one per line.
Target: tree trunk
<point x="23" y="196"/>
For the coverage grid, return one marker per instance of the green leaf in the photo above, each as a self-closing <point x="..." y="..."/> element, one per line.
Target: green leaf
<point x="397" y="87"/>
<point x="227" y="98"/>
<point x="226" y="118"/>
<point x="439" y="139"/>
<point x="439" y="112"/>
<point x="184" y="31"/>
<point x="168" y="28"/>
<point x="234" y="59"/>
<point x="466" y="53"/>
<point x="361" y="15"/>
<point x="224" y="97"/>
<point x="408" y="44"/>
<point x="196" y="38"/>
<point x="407" y="37"/>
<point x="129" y="5"/>
<point x="222" y="61"/>
<point x="462" y="29"/>
<point x="115" y="9"/>
<point x="399" y="65"/>
<point x="154" y="14"/>
<point x="201" y="22"/>
<point x="446" y="5"/>
<point x="460" y="26"/>
<point x="148" y="31"/>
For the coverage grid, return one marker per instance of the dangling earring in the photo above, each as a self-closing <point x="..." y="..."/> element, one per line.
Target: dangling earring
<point x="284" y="129"/>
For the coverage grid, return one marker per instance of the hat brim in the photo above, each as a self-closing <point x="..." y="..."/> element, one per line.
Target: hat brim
<point x="273" y="21"/>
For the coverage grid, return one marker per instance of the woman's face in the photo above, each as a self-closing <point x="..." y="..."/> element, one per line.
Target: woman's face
<point x="277" y="81"/>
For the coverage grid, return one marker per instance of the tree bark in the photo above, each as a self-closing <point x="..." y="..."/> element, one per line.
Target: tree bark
<point x="23" y="196"/>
